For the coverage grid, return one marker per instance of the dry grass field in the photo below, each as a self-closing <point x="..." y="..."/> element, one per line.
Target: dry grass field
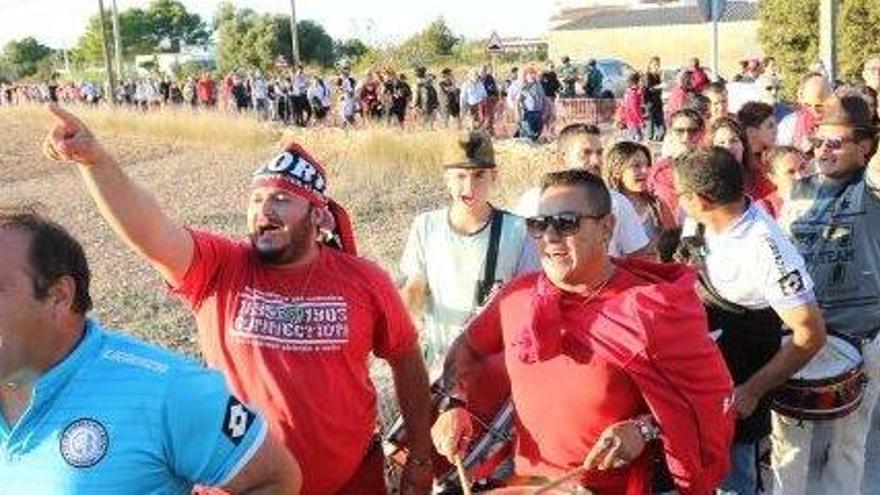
<point x="198" y="166"/>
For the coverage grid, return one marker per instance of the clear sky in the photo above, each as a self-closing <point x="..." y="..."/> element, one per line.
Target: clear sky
<point x="59" y="23"/>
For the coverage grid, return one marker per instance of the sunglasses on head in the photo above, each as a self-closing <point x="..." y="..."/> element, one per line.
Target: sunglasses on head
<point x="832" y="143"/>
<point x="565" y="224"/>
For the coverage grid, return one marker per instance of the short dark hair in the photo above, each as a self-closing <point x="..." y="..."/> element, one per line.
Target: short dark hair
<point x="688" y="113"/>
<point x="598" y="197"/>
<point x="699" y="103"/>
<point x="713" y="173"/>
<point x="715" y="87"/>
<point x="753" y="114"/>
<point x="577" y="130"/>
<point x="52" y="254"/>
<point x="633" y="78"/>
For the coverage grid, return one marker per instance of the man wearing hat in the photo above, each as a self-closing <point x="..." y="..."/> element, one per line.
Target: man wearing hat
<point x="455" y="256"/>
<point x="833" y="217"/>
<point x="290" y="321"/>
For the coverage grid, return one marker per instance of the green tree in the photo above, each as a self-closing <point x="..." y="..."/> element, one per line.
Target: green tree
<point x="173" y="26"/>
<point x="24" y="57"/>
<point x="351" y="49"/>
<point x="859" y="32"/>
<point x="315" y="45"/>
<point x="439" y="38"/>
<point x="164" y="26"/>
<point x="789" y="32"/>
<point x="434" y="44"/>
<point x="247" y="40"/>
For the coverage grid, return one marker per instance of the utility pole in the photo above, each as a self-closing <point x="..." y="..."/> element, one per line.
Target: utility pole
<point x="111" y="79"/>
<point x="716" y="14"/>
<point x="828" y="37"/>
<point x="293" y="41"/>
<point x="117" y="40"/>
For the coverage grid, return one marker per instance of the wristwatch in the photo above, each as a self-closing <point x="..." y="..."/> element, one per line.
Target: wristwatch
<point x="647" y="428"/>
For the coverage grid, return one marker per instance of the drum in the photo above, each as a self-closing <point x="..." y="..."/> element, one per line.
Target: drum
<point x="829" y="387"/>
<point x="492" y="416"/>
<point x="520" y="485"/>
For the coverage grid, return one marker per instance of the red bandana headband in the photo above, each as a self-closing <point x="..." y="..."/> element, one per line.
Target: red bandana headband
<point x="295" y="171"/>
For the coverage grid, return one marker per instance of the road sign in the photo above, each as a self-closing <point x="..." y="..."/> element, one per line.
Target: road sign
<point x="494" y="43"/>
<point x="705" y="7"/>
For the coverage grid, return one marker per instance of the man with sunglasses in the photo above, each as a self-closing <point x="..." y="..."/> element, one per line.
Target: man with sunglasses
<point x="595" y="351"/>
<point x="834" y="219"/>
<point x="686" y="129"/>
<point x="797" y="128"/>
<point x="752" y="280"/>
<point x="580" y="146"/>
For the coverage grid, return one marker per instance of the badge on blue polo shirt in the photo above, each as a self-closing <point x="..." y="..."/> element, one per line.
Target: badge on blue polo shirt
<point x="118" y="416"/>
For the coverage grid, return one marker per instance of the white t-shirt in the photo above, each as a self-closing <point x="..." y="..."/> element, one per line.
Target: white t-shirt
<point x="628" y="235"/>
<point x="453" y="264"/>
<point x="753" y="264"/>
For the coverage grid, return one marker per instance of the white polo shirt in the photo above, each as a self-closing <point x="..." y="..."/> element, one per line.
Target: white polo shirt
<point x="753" y="264"/>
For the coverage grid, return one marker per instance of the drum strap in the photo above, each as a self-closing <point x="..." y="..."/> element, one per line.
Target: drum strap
<point x="693" y="252"/>
<point x="487" y="283"/>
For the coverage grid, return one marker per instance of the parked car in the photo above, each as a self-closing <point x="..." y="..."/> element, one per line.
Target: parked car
<point x="614" y="74"/>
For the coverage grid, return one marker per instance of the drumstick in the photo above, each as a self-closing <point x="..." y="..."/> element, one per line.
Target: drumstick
<point x="462" y="475"/>
<point x="568" y="476"/>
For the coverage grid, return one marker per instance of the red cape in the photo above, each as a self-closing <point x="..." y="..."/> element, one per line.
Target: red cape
<point x="661" y="340"/>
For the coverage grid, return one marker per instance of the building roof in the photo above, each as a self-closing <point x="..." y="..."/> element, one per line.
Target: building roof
<point x="657" y="16"/>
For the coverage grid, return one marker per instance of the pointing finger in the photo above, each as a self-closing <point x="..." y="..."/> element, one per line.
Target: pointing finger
<point x="68" y="122"/>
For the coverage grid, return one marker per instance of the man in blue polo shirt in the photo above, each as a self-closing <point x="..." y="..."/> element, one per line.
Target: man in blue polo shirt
<point x="85" y="411"/>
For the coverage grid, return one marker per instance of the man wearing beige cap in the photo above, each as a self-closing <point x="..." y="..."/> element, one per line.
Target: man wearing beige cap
<point x="456" y="255"/>
<point x="833" y="217"/>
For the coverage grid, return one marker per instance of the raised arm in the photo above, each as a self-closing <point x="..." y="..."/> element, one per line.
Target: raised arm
<point x="132" y="212"/>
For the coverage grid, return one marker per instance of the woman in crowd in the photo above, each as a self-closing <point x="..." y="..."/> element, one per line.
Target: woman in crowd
<point x="787" y="164"/>
<point x="759" y="125"/>
<point x="625" y="170"/>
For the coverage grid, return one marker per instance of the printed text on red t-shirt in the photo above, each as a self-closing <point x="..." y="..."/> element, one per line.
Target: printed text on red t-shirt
<point x="265" y="319"/>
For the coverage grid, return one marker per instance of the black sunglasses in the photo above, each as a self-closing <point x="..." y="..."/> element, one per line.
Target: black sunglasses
<point x="565" y="224"/>
<point x="830" y="143"/>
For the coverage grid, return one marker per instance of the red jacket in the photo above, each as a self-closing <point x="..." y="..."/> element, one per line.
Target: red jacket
<point x="662" y="341"/>
<point x="654" y="330"/>
<point x="632" y="112"/>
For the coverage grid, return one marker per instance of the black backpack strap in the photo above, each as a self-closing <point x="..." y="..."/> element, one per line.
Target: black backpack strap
<point x="484" y="286"/>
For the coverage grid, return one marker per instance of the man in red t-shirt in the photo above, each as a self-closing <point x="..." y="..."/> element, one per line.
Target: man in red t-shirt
<point x="604" y="357"/>
<point x="289" y="321"/>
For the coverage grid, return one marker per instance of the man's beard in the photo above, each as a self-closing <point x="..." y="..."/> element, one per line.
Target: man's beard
<point x="295" y="249"/>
